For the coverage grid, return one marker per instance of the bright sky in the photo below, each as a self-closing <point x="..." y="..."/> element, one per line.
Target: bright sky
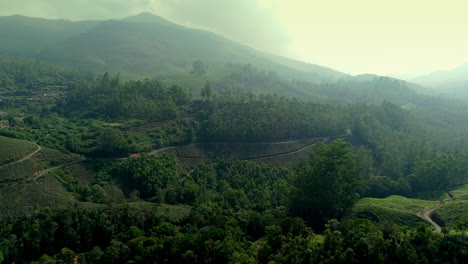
<point x="353" y="36"/>
<point x="379" y="36"/>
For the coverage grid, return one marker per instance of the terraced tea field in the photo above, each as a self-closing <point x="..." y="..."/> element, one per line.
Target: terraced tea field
<point x="13" y="149"/>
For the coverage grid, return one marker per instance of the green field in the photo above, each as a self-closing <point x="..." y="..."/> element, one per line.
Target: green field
<point x="12" y="149"/>
<point x="395" y="209"/>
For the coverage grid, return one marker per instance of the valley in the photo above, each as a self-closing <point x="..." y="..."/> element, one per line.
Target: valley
<point x="138" y="140"/>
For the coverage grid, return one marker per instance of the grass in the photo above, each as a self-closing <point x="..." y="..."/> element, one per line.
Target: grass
<point x="18" y="199"/>
<point x="395" y="209"/>
<point x="52" y="157"/>
<point x="461" y="193"/>
<point x="20" y="194"/>
<point x="29" y="168"/>
<point x="20" y="171"/>
<point x="12" y="149"/>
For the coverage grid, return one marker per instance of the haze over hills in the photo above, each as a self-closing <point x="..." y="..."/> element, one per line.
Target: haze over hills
<point x="142" y="45"/>
<point x="26" y="36"/>
<point x="452" y="82"/>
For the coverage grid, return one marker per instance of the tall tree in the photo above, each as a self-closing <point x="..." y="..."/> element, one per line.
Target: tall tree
<point x="206" y="91"/>
<point x="326" y="185"/>
<point x="198" y="68"/>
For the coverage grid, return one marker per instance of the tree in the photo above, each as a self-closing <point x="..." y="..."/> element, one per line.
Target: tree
<point x="111" y="141"/>
<point x="198" y="68"/>
<point x="326" y="185"/>
<point x="206" y="91"/>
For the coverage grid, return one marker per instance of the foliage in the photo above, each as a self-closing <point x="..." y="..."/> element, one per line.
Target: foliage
<point x="122" y="236"/>
<point x="30" y="74"/>
<point x="150" y="174"/>
<point x="393" y="209"/>
<point x="13" y="149"/>
<point x="268" y="118"/>
<point x="326" y="184"/>
<point x="109" y="98"/>
<point x="441" y="173"/>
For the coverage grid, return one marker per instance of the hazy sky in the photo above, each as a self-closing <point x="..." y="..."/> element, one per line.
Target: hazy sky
<point x="354" y="36"/>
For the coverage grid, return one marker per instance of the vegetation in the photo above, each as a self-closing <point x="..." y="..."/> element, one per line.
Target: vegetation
<point x="104" y="187"/>
<point x="332" y="168"/>
<point x="393" y="209"/>
<point x="454" y="214"/>
<point x="13" y="149"/>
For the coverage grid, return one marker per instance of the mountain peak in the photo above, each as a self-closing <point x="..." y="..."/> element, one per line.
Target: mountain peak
<point x="147" y="17"/>
<point x="146" y="14"/>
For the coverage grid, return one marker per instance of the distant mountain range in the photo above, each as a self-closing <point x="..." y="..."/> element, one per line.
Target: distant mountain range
<point x="452" y="82"/>
<point x="142" y="45"/>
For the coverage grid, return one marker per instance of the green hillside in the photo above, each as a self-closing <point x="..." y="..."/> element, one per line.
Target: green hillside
<point x="393" y="209"/>
<point x="13" y="149"/>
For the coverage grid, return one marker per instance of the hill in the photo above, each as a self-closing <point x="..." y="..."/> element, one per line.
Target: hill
<point x="148" y="46"/>
<point x="14" y="149"/>
<point x="451" y="82"/>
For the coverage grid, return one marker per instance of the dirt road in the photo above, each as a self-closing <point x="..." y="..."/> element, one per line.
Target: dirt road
<point x="426" y="215"/>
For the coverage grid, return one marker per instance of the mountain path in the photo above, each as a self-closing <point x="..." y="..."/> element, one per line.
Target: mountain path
<point x="426" y="215"/>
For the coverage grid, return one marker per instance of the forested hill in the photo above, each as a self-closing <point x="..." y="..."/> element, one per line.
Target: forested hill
<point x="143" y="45"/>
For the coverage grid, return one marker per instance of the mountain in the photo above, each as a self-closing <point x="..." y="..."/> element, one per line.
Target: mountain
<point x="452" y="82"/>
<point x="148" y="46"/>
<point x="144" y="45"/>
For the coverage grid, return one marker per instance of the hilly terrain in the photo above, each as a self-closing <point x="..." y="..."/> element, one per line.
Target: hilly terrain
<point x="203" y="150"/>
<point x="143" y="45"/>
<point x="453" y="83"/>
